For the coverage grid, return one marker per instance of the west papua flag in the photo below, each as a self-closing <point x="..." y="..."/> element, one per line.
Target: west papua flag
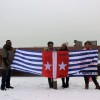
<point x="62" y="64"/>
<point x="47" y="64"/>
<point x="55" y="64"/>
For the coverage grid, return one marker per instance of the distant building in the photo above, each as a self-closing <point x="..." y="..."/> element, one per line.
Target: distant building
<point x="94" y="43"/>
<point x="78" y="43"/>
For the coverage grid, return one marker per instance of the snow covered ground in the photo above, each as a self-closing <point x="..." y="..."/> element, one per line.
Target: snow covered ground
<point x="36" y="88"/>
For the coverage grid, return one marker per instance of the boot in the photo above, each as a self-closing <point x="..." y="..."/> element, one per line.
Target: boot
<point x="9" y="87"/>
<point x="50" y="81"/>
<point x="86" y="86"/>
<point x="97" y="87"/>
<point x="3" y="88"/>
<point x="63" y="85"/>
<point x="67" y="85"/>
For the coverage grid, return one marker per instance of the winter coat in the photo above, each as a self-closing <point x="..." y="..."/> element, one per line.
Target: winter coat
<point x="8" y="56"/>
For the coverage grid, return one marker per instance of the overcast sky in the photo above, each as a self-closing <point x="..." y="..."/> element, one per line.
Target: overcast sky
<point x="32" y="23"/>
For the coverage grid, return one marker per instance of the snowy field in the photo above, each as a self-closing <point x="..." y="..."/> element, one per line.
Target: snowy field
<point x="36" y="88"/>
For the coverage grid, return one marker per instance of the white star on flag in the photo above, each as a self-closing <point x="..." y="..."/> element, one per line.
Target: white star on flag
<point x="62" y="65"/>
<point x="47" y="66"/>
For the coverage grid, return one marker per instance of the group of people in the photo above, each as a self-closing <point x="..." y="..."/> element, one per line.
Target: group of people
<point x="65" y="81"/>
<point x="8" y="56"/>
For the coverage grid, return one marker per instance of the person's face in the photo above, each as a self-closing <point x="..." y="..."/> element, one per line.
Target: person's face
<point x="50" y="46"/>
<point x="9" y="44"/>
<point x="88" y="46"/>
<point x="63" y="47"/>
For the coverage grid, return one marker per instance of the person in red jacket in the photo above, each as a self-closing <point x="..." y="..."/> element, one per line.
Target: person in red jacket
<point x="88" y="46"/>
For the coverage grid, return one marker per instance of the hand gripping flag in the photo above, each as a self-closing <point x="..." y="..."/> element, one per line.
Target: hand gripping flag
<point x="55" y="64"/>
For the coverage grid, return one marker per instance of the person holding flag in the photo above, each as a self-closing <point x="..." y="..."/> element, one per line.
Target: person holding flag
<point x="88" y="46"/>
<point x="50" y="48"/>
<point x="55" y="65"/>
<point x="65" y="84"/>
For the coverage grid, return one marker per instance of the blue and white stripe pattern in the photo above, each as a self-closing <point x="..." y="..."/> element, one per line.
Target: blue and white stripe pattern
<point x="28" y="61"/>
<point x="81" y="62"/>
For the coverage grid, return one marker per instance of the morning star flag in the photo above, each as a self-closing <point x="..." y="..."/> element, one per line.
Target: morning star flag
<point x="55" y="64"/>
<point x="28" y="61"/>
<point x="81" y="62"/>
<point x="47" y="69"/>
<point x="62" y="63"/>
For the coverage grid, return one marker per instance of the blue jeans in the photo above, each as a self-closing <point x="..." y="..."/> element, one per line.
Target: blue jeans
<point x="5" y="81"/>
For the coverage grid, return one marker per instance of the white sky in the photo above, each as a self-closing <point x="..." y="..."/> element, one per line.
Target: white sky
<point x="32" y="23"/>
